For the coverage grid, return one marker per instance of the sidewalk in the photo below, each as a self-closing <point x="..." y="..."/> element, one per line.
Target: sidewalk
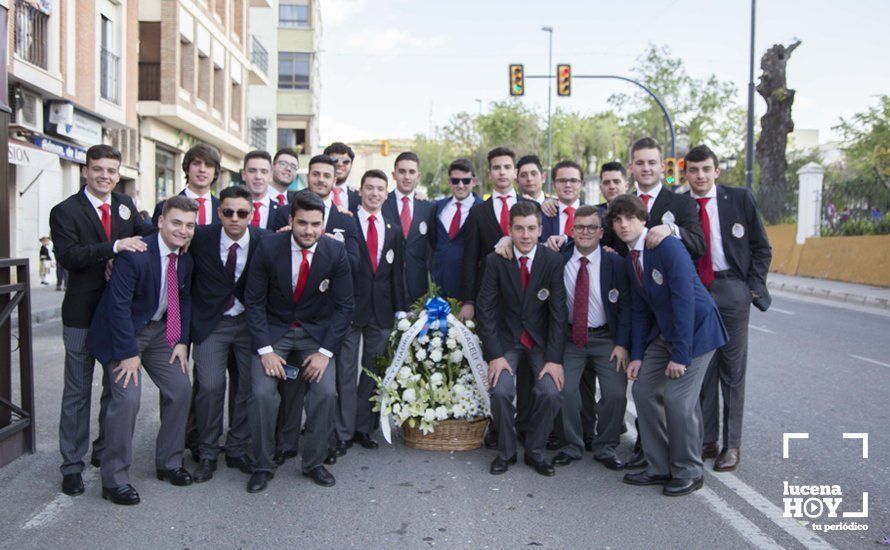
<point x="46" y="305"/>
<point x="863" y="295"/>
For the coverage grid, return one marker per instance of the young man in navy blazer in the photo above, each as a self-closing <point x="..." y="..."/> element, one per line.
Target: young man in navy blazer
<point x="521" y="310"/>
<point x="451" y="217"/>
<point x="222" y="254"/>
<point x="299" y="301"/>
<point x="734" y="269"/>
<point x="344" y="198"/>
<point x="257" y="175"/>
<point x="674" y="331"/>
<point x="143" y="320"/>
<point x="202" y="166"/>
<point x="567" y="180"/>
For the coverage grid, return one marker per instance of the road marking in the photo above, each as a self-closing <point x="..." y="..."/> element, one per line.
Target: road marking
<point x="737" y="521"/>
<point x="867" y="360"/>
<point x="762" y="329"/>
<point x="57" y="505"/>
<point x="785" y="311"/>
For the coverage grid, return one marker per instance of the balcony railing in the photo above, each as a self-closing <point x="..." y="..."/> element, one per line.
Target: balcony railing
<point x="149" y="81"/>
<point x="109" y="76"/>
<point x="257" y="133"/>
<point x="30" y="33"/>
<point x="258" y="55"/>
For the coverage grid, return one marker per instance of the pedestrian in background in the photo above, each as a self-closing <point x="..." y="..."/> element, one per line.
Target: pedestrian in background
<point x="46" y="261"/>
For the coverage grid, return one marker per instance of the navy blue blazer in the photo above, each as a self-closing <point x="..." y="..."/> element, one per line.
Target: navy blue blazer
<point x="326" y="306"/>
<point x="131" y="300"/>
<point x="378" y="296"/>
<point x="550" y="225"/>
<point x="211" y="284"/>
<point x="613" y="283"/>
<point x="214" y="210"/>
<point x="673" y="302"/>
<point x="418" y="246"/>
<point x="448" y="253"/>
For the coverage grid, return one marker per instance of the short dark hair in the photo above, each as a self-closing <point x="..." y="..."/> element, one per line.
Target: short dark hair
<point x="102" y="151"/>
<point x="525" y="208"/>
<point x="205" y="152"/>
<point x="407" y="155"/>
<point x="257" y="154"/>
<point x="321" y="159"/>
<point x="613" y="166"/>
<point x="462" y="165"/>
<point x="567" y="164"/>
<point x="373" y="173"/>
<point x="589" y="210"/>
<point x="290" y="151"/>
<point x="235" y="192"/>
<point x="626" y="205"/>
<point x="500" y="152"/>
<point x="644" y="143"/>
<point x="179" y="202"/>
<point x="306" y="200"/>
<point x="701" y="153"/>
<point x="339" y="148"/>
<point x="529" y="159"/>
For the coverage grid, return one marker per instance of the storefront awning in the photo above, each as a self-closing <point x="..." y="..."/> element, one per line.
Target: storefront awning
<point x="28" y="155"/>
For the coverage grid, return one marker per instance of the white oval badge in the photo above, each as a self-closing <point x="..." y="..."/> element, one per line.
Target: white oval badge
<point x="543" y="294"/>
<point x="338" y="234"/>
<point x="613" y="295"/>
<point x="668" y="218"/>
<point x="422" y="228"/>
<point x="738" y="230"/>
<point x="323" y="287"/>
<point x="390" y="256"/>
<point x="123" y="212"/>
<point x="657" y="277"/>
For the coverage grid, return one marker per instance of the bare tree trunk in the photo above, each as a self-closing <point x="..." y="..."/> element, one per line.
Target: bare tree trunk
<point x="775" y="126"/>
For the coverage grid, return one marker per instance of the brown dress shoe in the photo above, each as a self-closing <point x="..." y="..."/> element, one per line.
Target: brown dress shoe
<point x="709" y="450"/>
<point x="728" y="460"/>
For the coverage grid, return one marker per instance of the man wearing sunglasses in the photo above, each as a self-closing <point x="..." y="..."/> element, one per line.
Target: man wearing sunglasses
<point x="346" y="199"/>
<point x="222" y="254"/>
<point x="257" y="175"/>
<point x="451" y="216"/>
<point x="285" y="165"/>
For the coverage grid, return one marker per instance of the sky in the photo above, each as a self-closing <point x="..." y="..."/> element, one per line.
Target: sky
<point x="396" y="68"/>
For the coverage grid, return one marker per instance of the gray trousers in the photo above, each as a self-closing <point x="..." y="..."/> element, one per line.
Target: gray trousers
<point x="593" y="358"/>
<point x="211" y="360"/>
<point x="669" y="413"/>
<point x="355" y="389"/>
<point x="728" y="366"/>
<point x="74" y="421"/>
<point x="588" y="401"/>
<point x="544" y="405"/>
<point x="321" y="398"/>
<point x="120" y="420"/>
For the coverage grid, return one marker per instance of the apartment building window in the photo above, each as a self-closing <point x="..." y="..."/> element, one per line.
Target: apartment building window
<point x="219" y="91"/>
<point x="187" y="66"/>
<point x="204" y="78"/>
<point x="31" y="33"/>
<point x="294" y="16"/>
<point x="109" y="66"/>
<point x="292" y="138"/>
<point x="293" y="70"/>
<point x="257" y="133"/>
<point x="236" y="102"/>
<point x="165" y="173"/>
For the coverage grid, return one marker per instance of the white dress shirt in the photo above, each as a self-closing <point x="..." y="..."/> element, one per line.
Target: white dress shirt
<point x="563" y="217"/>
<point x="363" y="216"/>
<point x="596" y="313"/>
<point x="328" y="204"/>
<point x="399" y="203"/>
<point x="447" y="213"/>
<point x="718" y="256"/>
<point x="96" y="204"/>
<point x="162" y="297"/>
<point x="652" y="193"/>
<point x="208" y="204"/>
<point x="225" y="242"/>
<point x="640" y="245"/>
<point x="497" y="202"/>
<point x="531" y="259"/>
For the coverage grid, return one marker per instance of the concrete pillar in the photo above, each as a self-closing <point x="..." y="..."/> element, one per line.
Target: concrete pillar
<point x="809" y="201"/>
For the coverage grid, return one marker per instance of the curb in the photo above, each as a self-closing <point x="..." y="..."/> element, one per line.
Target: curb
<point x="40" y="317"/>
<point x="836" y="296"/>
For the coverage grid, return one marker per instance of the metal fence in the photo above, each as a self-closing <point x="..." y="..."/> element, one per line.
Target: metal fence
<point x="109" y="76"/>
<point x="31" y="33"/>
<point x="859" y="206"/>
<point x="259" y="56"/>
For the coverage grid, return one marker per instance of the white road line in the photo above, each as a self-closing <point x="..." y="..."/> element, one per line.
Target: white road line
<point x="867" y="360"/>
<point x="737" y="521"/>
<point x="57" y="505"/>
<point x="785" y="311"/>
<point x="762" y="329"/>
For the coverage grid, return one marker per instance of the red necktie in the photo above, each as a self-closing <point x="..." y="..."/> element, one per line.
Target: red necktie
<point x="505" y="215"/>
<point x="106" y="220"/>
<point x="174" y="327"/>
<point x="303" y="275"/>
<point x="455" y="222"/>
<point x="406" y="217"/>
<point x="255" y="220"/>
<point x="704" y="264"/>
<point x="526" y="338"/>
<point x="231" y="263"/>
<point x="372" y="242"/>
<point x="646" y="198"/>
<point x="202" y="217"/>
<point x="280" y="199"/>
<point x="635" y="258"/>
<point x="337" y="201"/>
<point x="579" y="311"/>
<point x="570" y="220"/>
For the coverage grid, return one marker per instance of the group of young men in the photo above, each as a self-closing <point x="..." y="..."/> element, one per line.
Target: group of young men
<point x="287" y="295"/>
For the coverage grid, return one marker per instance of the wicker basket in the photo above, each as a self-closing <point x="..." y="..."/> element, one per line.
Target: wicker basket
<point x="449" y="435"/>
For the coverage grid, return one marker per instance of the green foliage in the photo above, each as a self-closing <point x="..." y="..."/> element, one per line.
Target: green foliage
<point x="867" y="136"/>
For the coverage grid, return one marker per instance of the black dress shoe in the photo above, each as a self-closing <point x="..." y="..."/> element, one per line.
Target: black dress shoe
<point x="366" y="441"/>
<point x="636" y="461"/>
<point x="280" y="457"/>
<point x="611" y="462"/>
<point x="177" y="476"/>
<point x="205" y="471"/>
<point x="500" y="466"/>
<point x="331" y="459"/>
<point x="588" y="443"/>
<point x="258" y="481"/>
<point x="243" y="463"/>
<point x="642" y="478"/>
<point x="680" y="487"/>
<point x="342" y="447"/>
<point x="554" y="442"/>
<point x="321" y="476"/>
<point x="72" y="484"/>
<point x="125" y="495"/>
<point x="94" y="460"/>
<point x="563" y="459"/>
<point x="541" y="466"/>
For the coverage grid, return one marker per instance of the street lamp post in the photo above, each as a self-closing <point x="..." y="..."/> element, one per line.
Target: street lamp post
<point x="749" y="139"/>
<point x="549" y="31"/>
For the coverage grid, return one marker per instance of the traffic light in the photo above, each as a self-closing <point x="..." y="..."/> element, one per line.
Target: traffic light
<point x="517" y="80"/>
<point x="384" y="148"/>
<point x="681" y="171"/>
<point x="670" y="170"/>
<point x="564" y="80"/>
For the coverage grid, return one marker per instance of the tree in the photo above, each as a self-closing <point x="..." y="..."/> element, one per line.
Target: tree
<point x="867" y="140"/>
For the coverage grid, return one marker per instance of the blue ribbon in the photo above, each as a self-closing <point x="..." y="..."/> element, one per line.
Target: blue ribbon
<point x="437" y="311"/>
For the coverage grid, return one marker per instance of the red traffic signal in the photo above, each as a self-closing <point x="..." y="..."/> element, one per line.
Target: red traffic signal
<point x="564" y="80"/>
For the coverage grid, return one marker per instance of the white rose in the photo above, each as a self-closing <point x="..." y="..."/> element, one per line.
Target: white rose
<point x="436" y="379"/>
<point x="451" y="343"/>
<point x="470" y="324"/>
<point x="436" y="342"/>
<point x="404" y="373"/>
<point x="396" y="409"/>
<point x="420" y="354"/>
<point x="408" y="396"/>
<point x="441" y="412"/>
<point x="429" y="415"/>
<point x="436" y="355"/>
<point x="404" y="324"/>
<point x="423" y="339"/>
<point x="458" y="410"/>
<point x="457" y="356"/>
<point x="459" y="390"/>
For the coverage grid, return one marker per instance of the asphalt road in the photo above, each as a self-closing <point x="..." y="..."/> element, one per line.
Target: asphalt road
<point x="813" y="368"/>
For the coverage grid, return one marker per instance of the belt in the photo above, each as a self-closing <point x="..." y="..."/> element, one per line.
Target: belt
<point x="725" y="274"/>
<point x="592" y="329"/>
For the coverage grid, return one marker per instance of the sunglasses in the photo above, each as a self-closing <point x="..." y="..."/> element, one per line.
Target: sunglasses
<point x="229" y="213"/>
<point x="460" y="181"/>
<point x="341" y="161"/>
